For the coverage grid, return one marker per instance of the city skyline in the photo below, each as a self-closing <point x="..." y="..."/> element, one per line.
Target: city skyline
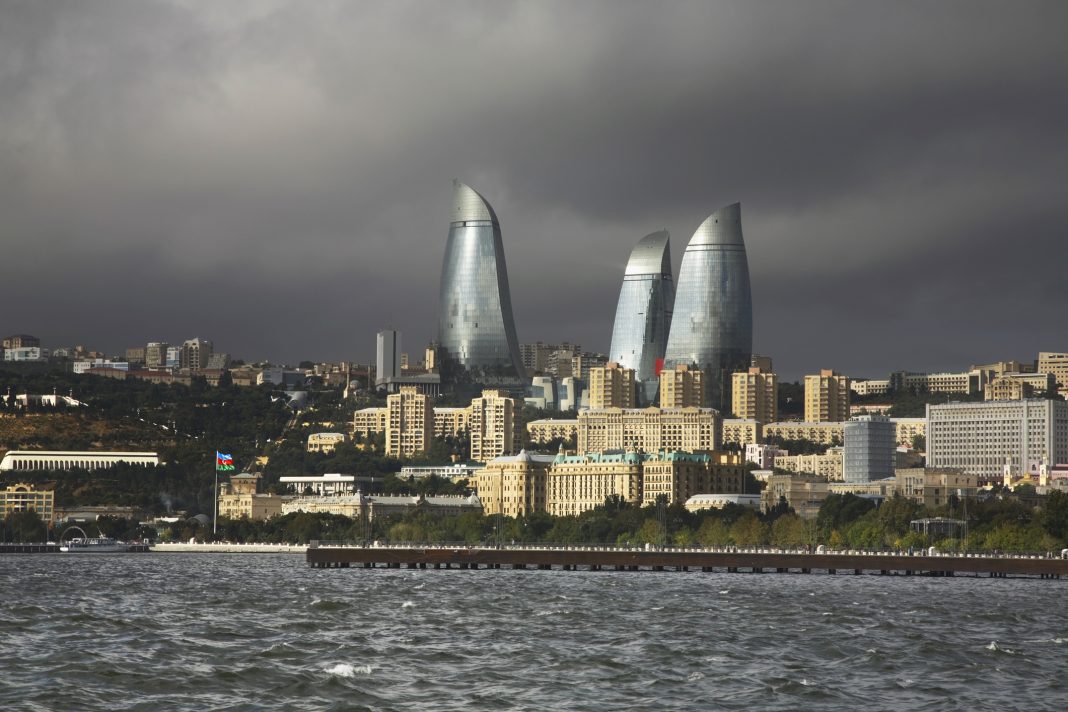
<point x="174" y="169"/>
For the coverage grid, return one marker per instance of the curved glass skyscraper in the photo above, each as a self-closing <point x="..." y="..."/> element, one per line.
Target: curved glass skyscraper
<point x="475" y="325"/>
<point x="643" y="315"/>
<point x="712" y="326"/>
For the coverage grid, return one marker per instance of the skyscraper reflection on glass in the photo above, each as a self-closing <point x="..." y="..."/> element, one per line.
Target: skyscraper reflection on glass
<point x="475" y="326"/>
<point x="712" y="324"/>
<point x="643" y="314"/>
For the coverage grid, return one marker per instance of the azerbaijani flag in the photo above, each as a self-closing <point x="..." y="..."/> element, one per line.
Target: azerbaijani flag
<point x="223" y="461"/>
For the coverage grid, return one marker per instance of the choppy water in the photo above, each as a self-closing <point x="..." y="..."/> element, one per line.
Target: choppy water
<point x="250" y="632"/>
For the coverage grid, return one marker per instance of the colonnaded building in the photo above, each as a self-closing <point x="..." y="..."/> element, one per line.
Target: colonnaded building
<point x="20" y="460"/>
<point x="712" y="320"/>
<point x="643" y="314"/>
<point x="475" y="325"/>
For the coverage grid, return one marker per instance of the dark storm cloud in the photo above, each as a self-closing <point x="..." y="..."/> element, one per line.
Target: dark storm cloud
<point x="276" y="175"/>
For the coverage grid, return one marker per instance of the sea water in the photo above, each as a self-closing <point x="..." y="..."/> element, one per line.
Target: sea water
<point x="265" y="632"/>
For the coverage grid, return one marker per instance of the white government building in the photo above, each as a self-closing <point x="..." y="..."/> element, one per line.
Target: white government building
<point x="21" y="460"/>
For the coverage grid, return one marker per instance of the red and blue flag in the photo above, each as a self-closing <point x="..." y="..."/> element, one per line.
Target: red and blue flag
<point x="223" y="461"/>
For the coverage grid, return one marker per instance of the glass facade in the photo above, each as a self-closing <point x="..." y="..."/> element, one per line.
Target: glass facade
<point x="643" y="315"/>
<point x="475" y="326"/>
<point x="712" y="324"/>
<point x="870" y="448"/>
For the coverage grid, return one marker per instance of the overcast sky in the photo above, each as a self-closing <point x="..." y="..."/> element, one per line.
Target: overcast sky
<point x="275" y="176"/>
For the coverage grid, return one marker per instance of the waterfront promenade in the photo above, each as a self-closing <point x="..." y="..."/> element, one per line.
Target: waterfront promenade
<point x="1052" y="565"/>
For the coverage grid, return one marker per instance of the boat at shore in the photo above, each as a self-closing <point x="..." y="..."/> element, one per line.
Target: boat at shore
<point x="94" y="545"/>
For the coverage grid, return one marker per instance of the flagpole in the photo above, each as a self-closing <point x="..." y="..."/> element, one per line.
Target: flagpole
<point x="215" y="519"/>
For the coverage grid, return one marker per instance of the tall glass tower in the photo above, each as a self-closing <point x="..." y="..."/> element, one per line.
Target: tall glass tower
<point x="475" y="326"/>
<point x="643" y="315"/>
<point x="712" y="324"/>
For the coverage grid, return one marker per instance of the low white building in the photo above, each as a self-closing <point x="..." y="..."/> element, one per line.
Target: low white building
<point x="328" y="484"/>
<point x="719" y="501"/>
<point x="26" y="353"/>
<point x="85" y="364"/>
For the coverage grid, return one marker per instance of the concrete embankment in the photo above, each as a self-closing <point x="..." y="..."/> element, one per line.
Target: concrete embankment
<point x="218" y="548"/>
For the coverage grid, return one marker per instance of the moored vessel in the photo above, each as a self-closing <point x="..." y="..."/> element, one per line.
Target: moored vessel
<point x="93" y="545"/>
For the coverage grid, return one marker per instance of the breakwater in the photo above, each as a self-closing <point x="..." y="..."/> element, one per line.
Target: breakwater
<point x="224" y="548"/>
<point x="728" y="561"/>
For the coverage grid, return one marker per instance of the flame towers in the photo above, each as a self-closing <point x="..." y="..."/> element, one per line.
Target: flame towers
<point x="712" y="324"/>
<point x="643" y="315"/>
<point x="475" y="325"/>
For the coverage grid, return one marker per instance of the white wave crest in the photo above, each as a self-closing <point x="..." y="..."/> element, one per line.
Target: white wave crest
<point x="348" y="670"/>
<point x="695" y="676"/>
<point x="407" y="604"/>
<point x="998" y="649"/>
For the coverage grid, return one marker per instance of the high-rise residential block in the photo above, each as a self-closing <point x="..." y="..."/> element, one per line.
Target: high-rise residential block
<point x="492" y="424"/>
<point x="755" y="395"/>
<point x="156" y="354"/>
<point x="387" y="356"/>
<point x="194" y="354"/>
<point x="870" y="448"/>
<point x="475" y="325"/>
<point x="643" y="313"/>
<point x="1057" y="364"/>
<point x="611" y="386"/>
<point x="826" y="397"/>
<point x="409" y="422"/>
<point x="712" y="320"/>
<point x="682" y="387"/>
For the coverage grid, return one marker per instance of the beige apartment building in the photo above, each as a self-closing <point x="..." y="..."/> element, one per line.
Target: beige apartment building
<point x="648" y="429"/>
<point x="324" y="442"/>
<point x="677" y="476"/>
<point x="451" y="421"/>
<point x="549" y="429"/>
<point x="742" y="432"/>
<point x="829" y="465"/>
<point x="22" y="497"/>
<point x="682" y="387"/>
<point x="824" y="433"/>
<point x="804" y="493"/>
<point x="1003" y="389"/>
<point x="514" y="485"/>
<point x="755" y="395"/>
<point x="826" y="397"/>
<point x="368" y="421"/>
<point x="409" y="422"/>
<point x="238" y="499"/>
<point x="1057" y="364"/>
<point x="1016" y="386"/>
<point x="908" y="428"/>
<point x="492" y="426"/>
<point x="870" y="387"/>
<point x="578" y="483"/>
<point x="611" y="386"/>
<point x="933" y="486"/>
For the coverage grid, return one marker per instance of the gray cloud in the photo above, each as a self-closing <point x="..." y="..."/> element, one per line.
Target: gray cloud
<point x="275" y="176"/>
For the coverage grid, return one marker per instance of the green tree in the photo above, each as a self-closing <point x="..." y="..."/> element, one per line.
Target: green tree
<point x="748" y="531"/>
